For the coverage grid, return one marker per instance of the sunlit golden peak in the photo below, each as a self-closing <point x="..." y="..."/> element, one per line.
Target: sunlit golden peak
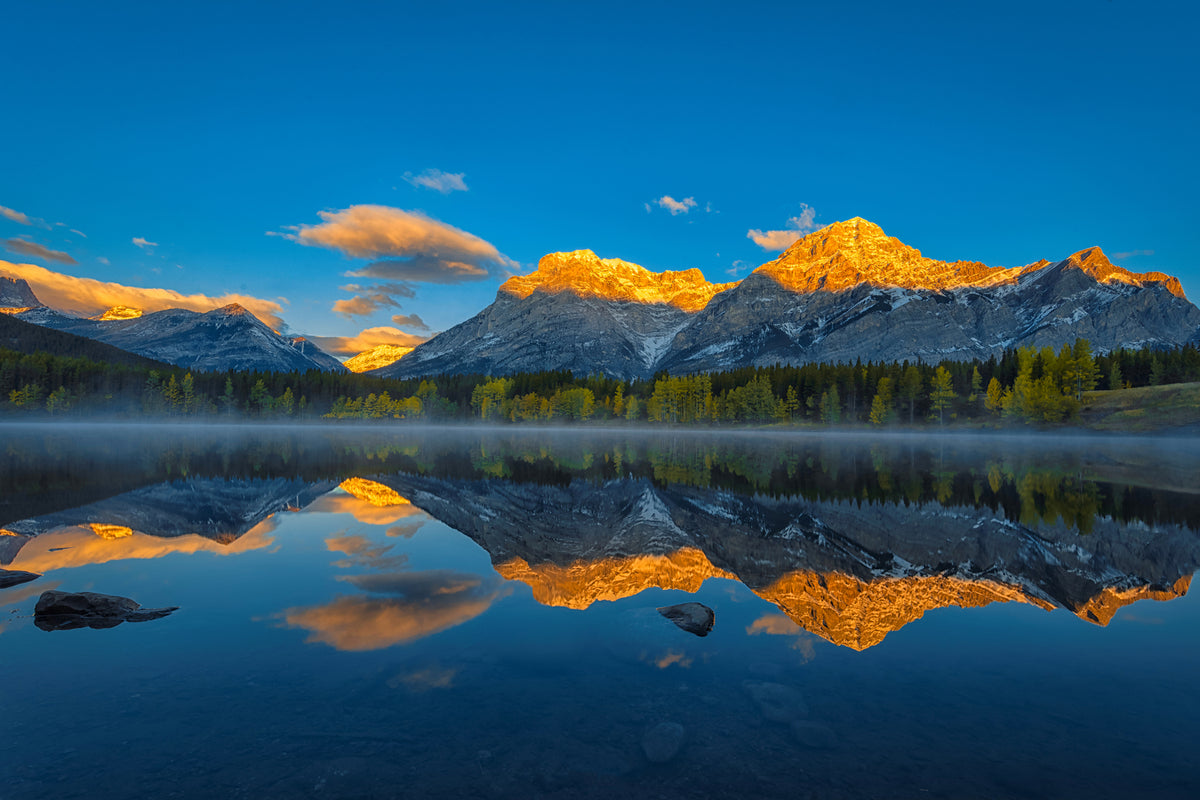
<point x="119" y="313"/>
<point x="371" y="492"/>
<point x="1101" y="608"/>
<point x="587" y="275"/>
<point x="110" y="531"/>
<point x="378" y="356"/>
<point x="1093" y="262"/>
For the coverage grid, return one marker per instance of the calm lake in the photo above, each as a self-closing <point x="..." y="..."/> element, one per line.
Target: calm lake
<point x="404" y="612"/>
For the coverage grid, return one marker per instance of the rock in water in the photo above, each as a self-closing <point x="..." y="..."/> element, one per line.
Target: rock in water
<point x="694" y="618"/>
<point x="814" y="735"/>
<point x="663" y="742"/>
<point x="13" y="577"/>
<point x="777" y="702"/>
<point x="60" y="611"/>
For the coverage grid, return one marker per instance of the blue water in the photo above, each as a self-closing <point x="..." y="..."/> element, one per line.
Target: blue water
<point x="431" y="675"/>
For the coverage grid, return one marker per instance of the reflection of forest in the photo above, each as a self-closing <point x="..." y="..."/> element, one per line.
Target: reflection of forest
<point x="1031" y="481"/>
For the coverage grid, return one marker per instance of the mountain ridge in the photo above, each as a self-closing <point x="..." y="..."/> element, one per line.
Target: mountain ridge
<point x="845" y="292"/>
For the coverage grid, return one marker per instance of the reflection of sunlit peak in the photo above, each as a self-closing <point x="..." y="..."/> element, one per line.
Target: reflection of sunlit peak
<point x="7" y="532"/>
<point x="1101" y="608"/>
<point x="582" y="583"/>
<point x="110" y="531"/>
<point x="371" y="492"/>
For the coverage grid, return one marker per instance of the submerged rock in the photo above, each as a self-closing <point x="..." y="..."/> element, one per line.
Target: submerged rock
<point x="663" y="742"/>
<point x="15" y="577"/>
<point x="776" y="702"/>
<point x="60" y="611"/>
<point x="694" y="618"/>
<point x="814" y="735"/>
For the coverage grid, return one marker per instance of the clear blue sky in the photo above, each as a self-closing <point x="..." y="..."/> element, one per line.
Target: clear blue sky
<point x="1002" y="132"/>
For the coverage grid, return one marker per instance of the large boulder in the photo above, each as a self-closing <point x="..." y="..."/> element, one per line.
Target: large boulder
<point x="58" y="611"/>
<point x="694" y="618"/>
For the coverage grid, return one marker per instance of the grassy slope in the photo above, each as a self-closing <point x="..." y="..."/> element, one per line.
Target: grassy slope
<point x="1142" y="410"/>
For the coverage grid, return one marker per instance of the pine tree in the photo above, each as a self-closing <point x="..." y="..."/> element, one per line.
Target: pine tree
<point x="942" y="394"/>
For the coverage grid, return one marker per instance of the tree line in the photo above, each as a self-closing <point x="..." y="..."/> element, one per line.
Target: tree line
<point x="1021" y="385"/>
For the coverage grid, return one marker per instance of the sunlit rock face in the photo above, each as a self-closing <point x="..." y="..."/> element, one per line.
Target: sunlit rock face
<point x="577" y="312"/>
<point x="850" y="574"/>
<point x="845" y="292"/>
<point x="119" y="312"/>
<point x="377" y="357"/>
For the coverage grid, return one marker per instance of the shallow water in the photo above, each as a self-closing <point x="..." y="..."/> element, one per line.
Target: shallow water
<point x="402" y="613"/>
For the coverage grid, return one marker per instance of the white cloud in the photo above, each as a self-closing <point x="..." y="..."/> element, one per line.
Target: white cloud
<point x="676" y="206"/>
<point x="783" y="239"/>
<point x="103" y="260"/>
<point x="142" y="243"/>
<point x="78" y="233"/>
<point x="1132" y="254"/>
<point x="435" y="179"/>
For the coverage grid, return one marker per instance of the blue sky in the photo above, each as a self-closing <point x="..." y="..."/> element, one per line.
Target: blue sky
<point x="998" y="132"/>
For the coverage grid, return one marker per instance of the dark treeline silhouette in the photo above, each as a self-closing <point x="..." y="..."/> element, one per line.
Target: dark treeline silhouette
<point x="1022" y="385"/>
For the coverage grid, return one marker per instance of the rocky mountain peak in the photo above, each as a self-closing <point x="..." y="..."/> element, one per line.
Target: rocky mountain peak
<point x="1093" y="262"/>
<point x="233" y="310"/>
<point x="856" y="251"/>
<point x="16" y="296"/>
<point x="587" y="275"/>
<point x="379" y="356"/>
<point x="119" y="313"/>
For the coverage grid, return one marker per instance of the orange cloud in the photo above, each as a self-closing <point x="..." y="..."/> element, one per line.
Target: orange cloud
<point x="368" y="338"/>
<point x="87" y="296"/>
<point x="783" y="239"/>
<point x="28" y="248"/>
<point x="780" y="625"/>
<point x="413" y="247"/>
<point x="363" y="509"/>
<point x="80" y="546"/>
<point x="431" y="603"/>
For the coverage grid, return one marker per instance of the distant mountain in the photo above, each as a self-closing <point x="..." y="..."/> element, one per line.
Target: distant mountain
<point x="224" y="338"/>
<point x="377" y="357"/>
<point x="25" y="337"/>
<point x="845" y="292"/>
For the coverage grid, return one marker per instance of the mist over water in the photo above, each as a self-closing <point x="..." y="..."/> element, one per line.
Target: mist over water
<point x="383" y="612"/>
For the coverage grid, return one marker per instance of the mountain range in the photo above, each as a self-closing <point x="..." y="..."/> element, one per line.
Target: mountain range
<point x="845" y="292"/>
<point x="222" y="339"/>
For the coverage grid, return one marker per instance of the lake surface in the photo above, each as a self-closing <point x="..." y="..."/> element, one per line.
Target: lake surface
<point x="401" y="612"/>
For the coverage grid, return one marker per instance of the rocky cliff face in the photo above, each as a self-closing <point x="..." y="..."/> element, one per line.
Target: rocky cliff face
<point x="845" y="292"/>
<point x="16" y="296"/>
<point x="578" y="312"/>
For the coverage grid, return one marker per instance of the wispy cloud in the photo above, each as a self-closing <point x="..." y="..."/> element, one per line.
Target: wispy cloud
<point x="410" y="321"/>
<point x="438" y="181"/>
<point x="739" y="267"/>
<point x="370" y="299"/>
<point x="410" y="245"/>
<point x="676" y="206"/>
<point x="28" y="248"/>
<point x="368" y="338"/>
<point x="782" y="239"/>
<point x="22" y="219"/>
<point x="78" y="232"/>
<point x="1133" y="253"/>
<point x="143" y="243"/>
<point x="103" y="260"/>
<point x="87" y="296"/>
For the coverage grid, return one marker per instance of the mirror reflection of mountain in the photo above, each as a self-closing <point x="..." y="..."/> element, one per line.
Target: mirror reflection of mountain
<point x="851" y="537"/>
<point x="848" y="572"/>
